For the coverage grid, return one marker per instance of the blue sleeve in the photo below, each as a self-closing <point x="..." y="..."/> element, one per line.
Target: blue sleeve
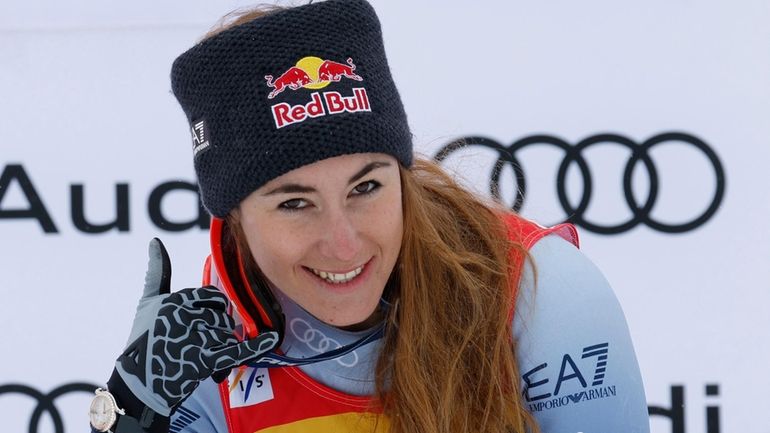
<point x="577" y="362"/>
<point x="201" y="413"/>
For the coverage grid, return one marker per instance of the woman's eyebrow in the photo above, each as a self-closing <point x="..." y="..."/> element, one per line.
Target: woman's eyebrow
<point x="367" y="168"/>
<point x="295" y="188"/>
<point x="290" y="188"/>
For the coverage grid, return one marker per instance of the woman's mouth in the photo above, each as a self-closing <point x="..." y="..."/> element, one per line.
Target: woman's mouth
<point x="338" y="277"/>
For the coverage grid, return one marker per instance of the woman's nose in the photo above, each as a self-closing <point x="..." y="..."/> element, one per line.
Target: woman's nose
<point x="340" y="238"/>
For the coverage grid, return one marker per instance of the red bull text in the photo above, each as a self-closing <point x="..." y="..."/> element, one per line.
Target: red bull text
<point x="321" y="104"/>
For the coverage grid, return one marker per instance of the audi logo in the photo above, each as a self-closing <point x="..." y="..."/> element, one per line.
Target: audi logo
<point x="640" y="153"/>
<point x="45" y="402"/>
<point x="318" y="342"/>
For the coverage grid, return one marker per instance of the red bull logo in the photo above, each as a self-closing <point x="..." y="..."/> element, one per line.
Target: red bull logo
<point x="315" y="73"/>
<point x="311" y="73"/>
<point x="293" y="79"/>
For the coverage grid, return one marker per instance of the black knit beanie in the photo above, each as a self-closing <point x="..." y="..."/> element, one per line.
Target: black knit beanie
<point x="285" y="90"/>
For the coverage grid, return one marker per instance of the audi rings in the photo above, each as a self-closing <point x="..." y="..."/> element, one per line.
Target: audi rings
<point x="318" y="342"/>
<point x="45" y="402"/>
<point x="640" y="152"/>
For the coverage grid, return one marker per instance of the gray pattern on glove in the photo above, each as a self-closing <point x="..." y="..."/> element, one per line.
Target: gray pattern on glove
<point x="181" y="338"/>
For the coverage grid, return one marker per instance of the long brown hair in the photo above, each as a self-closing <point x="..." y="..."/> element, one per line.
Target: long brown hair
<point x="447" y="363"/>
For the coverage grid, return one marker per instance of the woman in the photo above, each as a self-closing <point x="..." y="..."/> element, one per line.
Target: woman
<point x="353" y="287"/>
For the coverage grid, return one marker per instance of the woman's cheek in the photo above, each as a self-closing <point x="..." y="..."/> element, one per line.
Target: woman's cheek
<point x="391" y="214"/>
<point x="267" y="242"/>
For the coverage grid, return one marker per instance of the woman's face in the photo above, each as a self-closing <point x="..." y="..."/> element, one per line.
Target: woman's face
<point x="328" y="234"/>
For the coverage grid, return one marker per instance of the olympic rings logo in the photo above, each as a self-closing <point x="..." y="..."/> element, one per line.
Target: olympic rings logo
<point x="318" y="342"/>
<point x="45" y="402"/>
<point x="640" y="152"/>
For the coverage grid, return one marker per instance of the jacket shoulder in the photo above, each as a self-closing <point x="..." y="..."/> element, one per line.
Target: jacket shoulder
<point x="527" y="232"/>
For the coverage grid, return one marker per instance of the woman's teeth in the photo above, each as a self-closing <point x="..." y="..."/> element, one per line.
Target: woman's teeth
<point x="338" y="278"/>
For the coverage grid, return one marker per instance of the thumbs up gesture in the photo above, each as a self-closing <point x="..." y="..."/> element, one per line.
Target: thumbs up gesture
<point x="180" y="338"/>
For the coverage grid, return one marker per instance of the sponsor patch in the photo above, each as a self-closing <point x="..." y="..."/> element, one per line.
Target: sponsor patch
<point x="314" y="73"/>
<point x="580" y="378"/>
<point x="200" y="140"/>
<point x="249" y="386"/>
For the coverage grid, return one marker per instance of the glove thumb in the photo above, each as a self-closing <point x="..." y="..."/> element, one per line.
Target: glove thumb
<point x="157" y="281"/>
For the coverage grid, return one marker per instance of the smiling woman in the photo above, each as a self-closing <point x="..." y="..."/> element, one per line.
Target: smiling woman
<point x="352" y="286"/>
<point x="328" y="234"/>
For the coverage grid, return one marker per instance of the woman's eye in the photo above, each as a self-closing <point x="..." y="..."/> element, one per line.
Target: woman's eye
<point x="293" y="204"/>
<point x="366" y="187"/>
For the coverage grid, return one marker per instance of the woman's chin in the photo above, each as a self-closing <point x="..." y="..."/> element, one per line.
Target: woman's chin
<point x="354" y="324"/>
<point x="370" y="322"/>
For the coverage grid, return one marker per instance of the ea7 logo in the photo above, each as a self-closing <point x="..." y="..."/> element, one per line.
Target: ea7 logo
<point x="199" y="137"/>
<point x="573" y="377"/>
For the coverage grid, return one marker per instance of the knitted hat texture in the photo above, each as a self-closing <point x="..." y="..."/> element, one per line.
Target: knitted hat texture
<point x="285" y="90"/>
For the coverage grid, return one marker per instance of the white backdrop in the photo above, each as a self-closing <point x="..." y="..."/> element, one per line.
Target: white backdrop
<point x="85" y="100"/>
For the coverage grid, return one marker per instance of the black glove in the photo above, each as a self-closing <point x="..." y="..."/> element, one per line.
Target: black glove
<point x="179" y="339"/>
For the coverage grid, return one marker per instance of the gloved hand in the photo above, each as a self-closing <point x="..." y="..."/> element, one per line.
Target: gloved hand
<point x="181" y="338"/>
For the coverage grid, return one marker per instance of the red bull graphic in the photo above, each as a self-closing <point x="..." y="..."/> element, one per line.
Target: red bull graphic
<point x="316" y="73"/>
<point x="294" y="78"/>
<point x="313" y="73"/>
<point x="333" y="71"/>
